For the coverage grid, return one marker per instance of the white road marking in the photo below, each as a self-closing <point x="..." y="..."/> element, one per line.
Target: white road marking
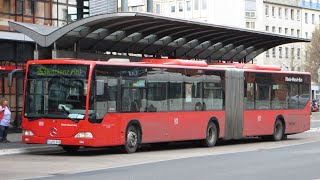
<point x="314" y="130"/>
<point x="23" y="150"/>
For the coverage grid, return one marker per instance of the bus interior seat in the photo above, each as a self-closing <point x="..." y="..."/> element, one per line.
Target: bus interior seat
<point x="151" y="108"/>
<point x="134" y="106"/>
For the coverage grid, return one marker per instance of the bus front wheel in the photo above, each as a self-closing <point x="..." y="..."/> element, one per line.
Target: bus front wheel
<point x="132" y="140"/>
<point x="211" y="135"/>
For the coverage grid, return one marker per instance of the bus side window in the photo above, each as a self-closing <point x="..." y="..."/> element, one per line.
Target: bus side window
<point x="157" y="90"/>
<point x="133" y="94"/>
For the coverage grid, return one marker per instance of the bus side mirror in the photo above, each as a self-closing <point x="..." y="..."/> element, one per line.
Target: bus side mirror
<point x="99" y="87"/>
<point x="15" y="73"/>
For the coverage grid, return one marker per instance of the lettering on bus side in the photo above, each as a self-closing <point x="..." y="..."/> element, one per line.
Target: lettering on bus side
<point x="293" y="79"/>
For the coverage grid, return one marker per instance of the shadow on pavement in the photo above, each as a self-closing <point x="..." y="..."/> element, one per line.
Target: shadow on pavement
<point x="57" y="151"/>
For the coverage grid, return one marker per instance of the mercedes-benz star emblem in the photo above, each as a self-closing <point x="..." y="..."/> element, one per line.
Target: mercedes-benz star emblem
<point x="53" y="131"/>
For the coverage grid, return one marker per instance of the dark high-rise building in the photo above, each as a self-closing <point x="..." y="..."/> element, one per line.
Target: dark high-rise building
<point x="16" y="48"/>
<point x="44" y="12"/>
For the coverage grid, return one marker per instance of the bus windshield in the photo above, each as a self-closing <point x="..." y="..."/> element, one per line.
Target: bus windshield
<point x="56" y="91"/>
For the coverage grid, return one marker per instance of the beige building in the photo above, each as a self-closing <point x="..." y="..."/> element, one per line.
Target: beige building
<point x="289" y="18"/>
<point x="296" y="18"/>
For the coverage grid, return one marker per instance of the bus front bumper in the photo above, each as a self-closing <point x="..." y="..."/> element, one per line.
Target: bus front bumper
<point x="60" y="141"/>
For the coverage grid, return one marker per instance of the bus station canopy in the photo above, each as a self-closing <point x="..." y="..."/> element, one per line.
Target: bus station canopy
<point x="150" y="34"/>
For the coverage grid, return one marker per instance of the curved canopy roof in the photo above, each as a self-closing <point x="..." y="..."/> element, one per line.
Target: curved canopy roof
<point x="144" y="33"/>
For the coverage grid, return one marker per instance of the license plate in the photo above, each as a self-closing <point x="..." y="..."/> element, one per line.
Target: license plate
<point x="51" y="141"/>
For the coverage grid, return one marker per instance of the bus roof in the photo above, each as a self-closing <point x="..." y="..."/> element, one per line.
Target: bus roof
<point x="173" y="63"/>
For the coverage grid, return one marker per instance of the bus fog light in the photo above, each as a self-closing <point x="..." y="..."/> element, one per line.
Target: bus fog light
<point x="26" y="139"/>
<point x="28" y="133"/>
<point x="84" y="135"/>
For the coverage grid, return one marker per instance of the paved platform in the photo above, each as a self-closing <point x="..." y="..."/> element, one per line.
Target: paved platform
<point x="16" y="146"/>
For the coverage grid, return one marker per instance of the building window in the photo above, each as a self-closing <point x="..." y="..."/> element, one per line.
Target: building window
<point x="280" y="30"/>
<point x="298" y="32"/>
<point x="280" y="52"/>
<point x="267" y="10"/>
<point x="273" y="11"/>
<point x="273" y="29"/>
<point x="286" y="31"/>
<point x="292" y="53"/>
<point x="204" y="4"/>
<point x="250" y="25"/>
<point x="135" y="9"/>
<point x="273" y="52"/>
<point x="298" y="15"/>
<point x="313" y="18"/>
<point x="292" y="32"/>
<point x="267" y="28"/>
<point x="188" y="5"/>
<point x="306" y="18"/>
<point x="253" y="25"/>
<point x="307" y="35"/>
<point x="287" y="52"/>
<point x="267" y="53"/>
<point x="180" y="6"/>
<point x="172" y="7"/>
<point x="28" y="8"/>
<point x="280" y="12"/>
<point x="292" y="14"/>
<point x="319" y="19"/>
<point x="298" y="53"/>
<point x="286" y="13"/>
<point x="158" y="8"/>
<point x="247" y="24"/>
<point x="196" y="5"/>
<point x="250" y="14"/>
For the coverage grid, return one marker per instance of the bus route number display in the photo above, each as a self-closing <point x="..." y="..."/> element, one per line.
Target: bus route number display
<point x="58" y="70"/>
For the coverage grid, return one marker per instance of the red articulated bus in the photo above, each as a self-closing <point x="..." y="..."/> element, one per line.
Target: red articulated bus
<point x="75" y="103"/>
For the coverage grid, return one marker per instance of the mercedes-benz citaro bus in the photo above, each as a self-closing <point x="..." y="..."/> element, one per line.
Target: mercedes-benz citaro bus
<point x="74" y="103"/>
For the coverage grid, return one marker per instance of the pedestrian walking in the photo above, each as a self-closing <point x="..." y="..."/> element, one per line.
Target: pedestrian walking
<point x="5" y="119"/>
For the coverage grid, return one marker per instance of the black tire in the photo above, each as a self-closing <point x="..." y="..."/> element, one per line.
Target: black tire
<point x="278" y="132"/>
<point x="132" y="140"/>
<point x="211" y="135"/>
<point x="70" y="149"/>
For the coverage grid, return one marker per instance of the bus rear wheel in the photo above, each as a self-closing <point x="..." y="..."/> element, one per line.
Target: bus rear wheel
<point x="211" y="135"/>
<point x="132" y="140"/>
<point x="278" y="133"/>
<point x="70" y="149"/>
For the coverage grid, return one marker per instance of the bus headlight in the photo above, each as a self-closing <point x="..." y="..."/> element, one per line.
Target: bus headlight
<point x="84" y="135"/>
<point x="28" y="133"/>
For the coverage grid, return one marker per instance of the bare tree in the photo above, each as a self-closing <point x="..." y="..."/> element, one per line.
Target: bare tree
<point x="312" y="62"/>
<point x="292" y="63"/>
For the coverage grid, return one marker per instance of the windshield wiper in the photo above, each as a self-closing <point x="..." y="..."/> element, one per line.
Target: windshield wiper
<point x="73" y="117"/>
<point x="33" y="118"/>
